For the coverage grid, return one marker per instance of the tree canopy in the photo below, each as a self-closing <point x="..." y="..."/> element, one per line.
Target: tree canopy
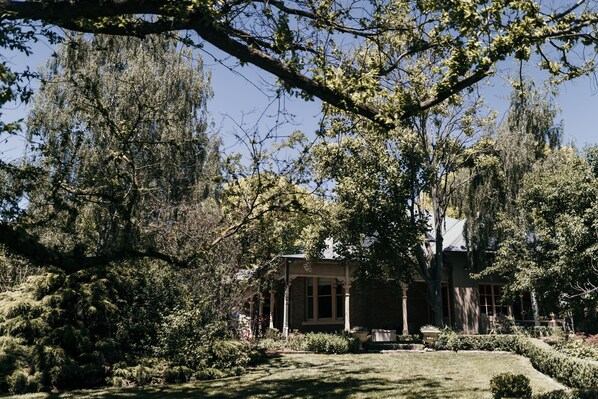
<point x="550" y="244"/>
<point x="357" y="56"/>
<point x="119" y="158"/>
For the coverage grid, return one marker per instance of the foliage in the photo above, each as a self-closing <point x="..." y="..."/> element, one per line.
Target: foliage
<point x="271" y="214"/>
<point x="14" y="270"/>
<point x="362" y="62"/>
<point x="392" y="189"/>
<point x="313" y="342"/>
<point x="550" y="244"/>
<point x="450" y="340"/>
<point x="372" y="65"/>
<point x="149" y="372"/>
<point x="509" y="385"/>
<point x="572" y="371"/>
<point x="121" y="162"/>
<point x="68" y="329"/>
<point x="494" y="174"/>
<point x="330" y="343"/>
<point x="577" y="348"/>
<point x="573" y="394"/>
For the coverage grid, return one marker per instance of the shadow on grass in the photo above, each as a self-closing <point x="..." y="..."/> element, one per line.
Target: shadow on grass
<point x="287" y="378"/>
<point x="301" y="388"/>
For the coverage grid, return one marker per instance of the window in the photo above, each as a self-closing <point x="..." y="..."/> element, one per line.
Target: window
<point x="324" y="299"/>
<point x="490" y="301"/>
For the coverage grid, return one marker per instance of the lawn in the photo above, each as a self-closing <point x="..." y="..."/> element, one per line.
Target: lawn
<point x="410" y="375"/>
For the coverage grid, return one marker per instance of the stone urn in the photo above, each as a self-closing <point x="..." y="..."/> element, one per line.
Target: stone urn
<point x="361" y="334"/>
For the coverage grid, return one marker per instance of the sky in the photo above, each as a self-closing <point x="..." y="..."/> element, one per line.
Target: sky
<point x="239" y="103"/>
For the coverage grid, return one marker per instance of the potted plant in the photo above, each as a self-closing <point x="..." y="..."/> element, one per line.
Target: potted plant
<point x="430" y="334"/>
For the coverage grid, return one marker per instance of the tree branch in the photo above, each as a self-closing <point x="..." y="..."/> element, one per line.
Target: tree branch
<point x="18" y="241"/>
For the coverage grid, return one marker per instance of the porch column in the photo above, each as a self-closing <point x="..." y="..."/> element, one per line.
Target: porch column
<point x="260" y="323"/>
<point x="404" y="287"/>
<point x="347" y="287"/>
<point x="285" y="312"/>
<point x="251" y="323"/>
<point x="272" y="303"/>
<point x="285" y="304"/>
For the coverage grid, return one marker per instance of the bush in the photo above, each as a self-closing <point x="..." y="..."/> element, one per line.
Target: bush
<point x="571" y="371"/>
<point x="509" y="385"/>
<point x="577" y="348"/>
<point x="330" y="343"/>
<point x="17" y="382"/>
<point x="450" y="340"/>
<point x="574" y="372"/>
<point x="574" y="394"/>
<point x="229" y="356"/>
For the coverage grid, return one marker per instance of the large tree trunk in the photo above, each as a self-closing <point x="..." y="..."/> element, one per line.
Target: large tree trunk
<point x="435" y="279"/>
<point x="535" y="309"/>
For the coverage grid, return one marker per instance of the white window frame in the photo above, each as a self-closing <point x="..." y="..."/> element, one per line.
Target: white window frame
<point x="493" y="306"/>
<point x="334" y="282"/>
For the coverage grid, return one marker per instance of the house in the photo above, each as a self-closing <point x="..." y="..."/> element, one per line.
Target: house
<point x="323" y="295"/>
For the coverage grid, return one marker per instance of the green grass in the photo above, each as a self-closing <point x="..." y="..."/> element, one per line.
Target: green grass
<point x="410" y="375"/>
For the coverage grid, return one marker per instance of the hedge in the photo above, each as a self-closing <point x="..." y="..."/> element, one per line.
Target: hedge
<point x="571" y="371"/>
<point x="574" y="394"/>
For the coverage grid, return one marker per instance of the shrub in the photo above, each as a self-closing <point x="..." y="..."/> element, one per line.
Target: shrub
<point x="574" y="372"/>
<point x="409" y="339"/>
<point x="272" y="333"/>
<point x="314" y="342"/>
<point x="185" y="337"/>
<point x="149" y="371"/>
<point x="17" y="382"/>
<point x="137" y="375"/>
<point x="574" y="394"/>
<point x="330" y="343"/>
<point x="229" y="356"/>
<point x="509" y="385"/>
<point x="577" y="348"/>
<point x="449" y="340"/>
<point x="296" y="342"/>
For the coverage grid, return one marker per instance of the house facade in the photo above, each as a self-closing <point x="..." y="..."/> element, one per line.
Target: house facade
<point x="323" y="295"/>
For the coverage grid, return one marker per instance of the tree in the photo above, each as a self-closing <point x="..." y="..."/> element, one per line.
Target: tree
<point x="362" y="60"/>
<point x="551" y="244"/>
<point x="122" y="178"/>
<point x="273" y="215"/>
<point x="494" y="175"/>
<point x="123" y="164"/>
<point x="393" y="189"/>
<point x="310" y="45"/>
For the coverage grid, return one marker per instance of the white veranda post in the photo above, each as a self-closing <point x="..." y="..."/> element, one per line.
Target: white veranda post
<point x="404" y="287"/>
<point x="347" y="287"/>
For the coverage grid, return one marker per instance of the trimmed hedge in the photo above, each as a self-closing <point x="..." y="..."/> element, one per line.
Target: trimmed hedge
<point x="574" y="394"/>
<point x="313" y="342"/>
<point x="331" y="343"/>
<point x="571" y="371"/>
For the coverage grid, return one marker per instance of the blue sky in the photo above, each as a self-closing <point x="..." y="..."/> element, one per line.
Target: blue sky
<point x="239" y="100"/>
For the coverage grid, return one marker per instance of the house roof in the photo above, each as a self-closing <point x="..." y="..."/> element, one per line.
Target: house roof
<point x="454" y="240"/>
<point x="328" y="254"/>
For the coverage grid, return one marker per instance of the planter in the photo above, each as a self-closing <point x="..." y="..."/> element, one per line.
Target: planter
<point x="430" y="335"/>
<point x="362" y="336"/>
